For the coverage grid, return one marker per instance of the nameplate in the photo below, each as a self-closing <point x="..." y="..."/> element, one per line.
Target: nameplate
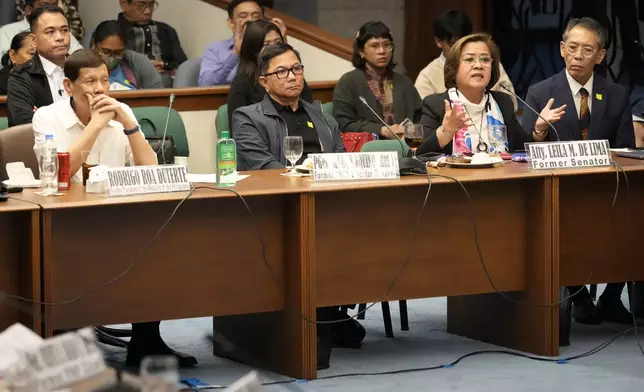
<point x="356" y="166"/>
<point x="138" y="180"/>
<point x="566" y="155"/>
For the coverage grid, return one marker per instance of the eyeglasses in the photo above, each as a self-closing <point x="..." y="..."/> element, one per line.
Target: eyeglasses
<point x="586" y="51"/>
<point x="141" y="5"/>
<point x="387" y="46"/>
<point x="110" y="53"/>
<point x="297" y="69"/>
<point x="485" y="60"/>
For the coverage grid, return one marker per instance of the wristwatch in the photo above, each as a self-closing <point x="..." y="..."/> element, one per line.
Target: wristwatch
<point x="541" y="133"/>
<point x="129" y="132"/>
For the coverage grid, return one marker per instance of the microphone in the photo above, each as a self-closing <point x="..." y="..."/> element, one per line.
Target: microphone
<point x="165" y="130"/>
<point x="509" y="90"/>
<point x="406" y="165"/>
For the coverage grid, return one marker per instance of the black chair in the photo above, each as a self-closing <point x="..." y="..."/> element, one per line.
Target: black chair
<point x="386" y="316"/>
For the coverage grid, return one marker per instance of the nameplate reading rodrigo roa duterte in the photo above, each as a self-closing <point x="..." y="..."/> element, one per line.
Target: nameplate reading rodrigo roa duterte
<point x="561" y="155"/>
<point x="137" y="180"/>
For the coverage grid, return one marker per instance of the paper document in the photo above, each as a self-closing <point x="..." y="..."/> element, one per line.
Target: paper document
<point x="212" y="178"/>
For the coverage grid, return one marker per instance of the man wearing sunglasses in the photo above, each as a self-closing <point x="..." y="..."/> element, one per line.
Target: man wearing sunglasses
<point x="157" y="40"/>
<point x="584" y="106"/>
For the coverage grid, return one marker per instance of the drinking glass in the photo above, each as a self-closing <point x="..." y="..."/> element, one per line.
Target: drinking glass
<point x="89" y="159"/>
<point x="293" y="150"/>
<point x="498" y="137"/>
<point x="160" y="373"/>
<point x="413" y="137"/>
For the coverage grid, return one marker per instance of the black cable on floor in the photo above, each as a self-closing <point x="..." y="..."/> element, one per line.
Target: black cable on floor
<point x="560" y="360"/>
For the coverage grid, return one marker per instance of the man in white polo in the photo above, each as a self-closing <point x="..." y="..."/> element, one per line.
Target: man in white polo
<point x="90" y="120"/>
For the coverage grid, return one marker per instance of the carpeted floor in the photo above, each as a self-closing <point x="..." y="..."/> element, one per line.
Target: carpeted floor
<point x="620" y="367"/>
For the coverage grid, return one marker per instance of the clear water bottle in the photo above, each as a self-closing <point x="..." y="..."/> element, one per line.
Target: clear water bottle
<point x="49" y="166"/>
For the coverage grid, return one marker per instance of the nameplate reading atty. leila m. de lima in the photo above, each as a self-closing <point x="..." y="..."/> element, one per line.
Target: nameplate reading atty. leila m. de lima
<point x="566" y="155"/>
<point x="137" y="180"/>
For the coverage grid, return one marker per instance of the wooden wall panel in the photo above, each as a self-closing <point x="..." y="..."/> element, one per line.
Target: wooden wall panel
<point x="419" y="21"/>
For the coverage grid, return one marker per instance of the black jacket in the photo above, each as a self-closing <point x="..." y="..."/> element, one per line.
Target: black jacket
<point x="4" y="79"/>
<point x="27" y="88"/>
<point x="610" y="113"/>
<point x="171" y="52"/>
<point x="243" y="92"/>
<point x="353" y="116"/>
<point x="434" y="111"/>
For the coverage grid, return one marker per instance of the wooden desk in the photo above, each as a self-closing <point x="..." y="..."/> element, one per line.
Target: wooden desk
<point x="20" y="263"/>
<point x="192" y="99"/>
<point x="207" y="262"/>
<point x="332" y="244"/>
<point x="359" y="233"/>
<point x="320" y="244"/>
<point x="595" y="240"/>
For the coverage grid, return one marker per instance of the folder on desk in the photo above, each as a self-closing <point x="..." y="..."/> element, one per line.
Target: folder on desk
<point x="633" y="154"/>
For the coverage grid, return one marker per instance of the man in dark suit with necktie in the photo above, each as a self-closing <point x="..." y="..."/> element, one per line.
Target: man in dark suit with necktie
<point x="584" y="106"/>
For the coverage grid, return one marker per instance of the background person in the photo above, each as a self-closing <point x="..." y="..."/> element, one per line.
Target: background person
<point x="129" y="70"/>
<point x="220" y="60"/>
<point x="158" y="41"/>
<point x="389" y="93"/>
<point x="449" y="27"/>
<point x="21" y="50"/>
<point x="39" y="81"/>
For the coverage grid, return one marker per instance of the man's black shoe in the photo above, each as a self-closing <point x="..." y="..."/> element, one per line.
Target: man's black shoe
<point x="348" y="334"/>
<point x="614" y="312"/>
<point x="584" y="312"/>
<point x="137" y="350"/>
<point x="324" y="354"/>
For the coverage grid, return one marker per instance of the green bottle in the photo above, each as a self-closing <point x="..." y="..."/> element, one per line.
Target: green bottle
<point x="226" y="160"/>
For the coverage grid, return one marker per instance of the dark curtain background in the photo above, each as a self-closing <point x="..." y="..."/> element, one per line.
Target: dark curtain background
<point x="529" y="31"/>
<point x="7" y="12"/>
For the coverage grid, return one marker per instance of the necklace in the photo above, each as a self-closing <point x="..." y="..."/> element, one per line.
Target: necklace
<point x="481" y="146"/>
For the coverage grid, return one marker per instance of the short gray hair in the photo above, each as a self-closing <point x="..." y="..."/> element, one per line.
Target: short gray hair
<point x="588" y="24"/>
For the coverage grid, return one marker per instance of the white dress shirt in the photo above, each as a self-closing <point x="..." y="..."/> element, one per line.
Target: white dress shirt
<point x="55" y="77"/>
<point x="7" y="32"/>
<point x="575" y="86"/>
<point x="111" y="148"/>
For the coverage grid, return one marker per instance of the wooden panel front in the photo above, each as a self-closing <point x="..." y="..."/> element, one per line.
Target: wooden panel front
<point x="284" y="341"/>
<point x="528" y="320"/>
<point x="598" y="241"/>
<point x="207" y="261"/>
<point x="20" y="268"/>
<point x="363" y="239"/>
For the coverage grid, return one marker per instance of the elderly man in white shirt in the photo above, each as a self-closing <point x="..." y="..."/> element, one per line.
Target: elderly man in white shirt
<point x="90" y="120"/>
<point x="7" y="32"/>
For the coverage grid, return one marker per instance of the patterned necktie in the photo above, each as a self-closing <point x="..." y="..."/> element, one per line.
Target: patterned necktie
<point x="584" y="114"/>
